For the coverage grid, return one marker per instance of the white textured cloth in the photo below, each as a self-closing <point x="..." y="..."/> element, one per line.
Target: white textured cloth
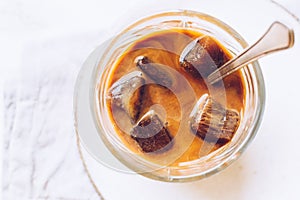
<point x="41" y="160"/>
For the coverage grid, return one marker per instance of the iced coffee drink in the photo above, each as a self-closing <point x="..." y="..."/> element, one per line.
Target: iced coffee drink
<point x="160" y="104"/>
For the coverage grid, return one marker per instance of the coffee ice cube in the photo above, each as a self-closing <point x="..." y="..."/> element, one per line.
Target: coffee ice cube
<point x="151" y="134"/>
<point x="128" y="93"/>
<point x="203" y="58"/>
<point x="212" y="121"/>
<point x="157" y="72"/>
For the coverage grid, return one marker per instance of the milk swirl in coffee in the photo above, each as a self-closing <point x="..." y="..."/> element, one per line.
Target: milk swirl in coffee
<point x="160" y="104"/>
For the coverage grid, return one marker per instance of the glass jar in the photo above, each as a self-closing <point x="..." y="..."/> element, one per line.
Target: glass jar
<point x="108" y="55"/>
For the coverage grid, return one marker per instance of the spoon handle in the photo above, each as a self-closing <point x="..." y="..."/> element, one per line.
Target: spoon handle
<point x="277" y="37"/>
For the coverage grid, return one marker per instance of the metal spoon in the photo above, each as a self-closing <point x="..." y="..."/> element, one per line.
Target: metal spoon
<point x="278" y="37"/>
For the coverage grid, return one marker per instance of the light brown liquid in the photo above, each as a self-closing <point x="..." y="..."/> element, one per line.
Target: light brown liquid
<point x="165" y="48"/>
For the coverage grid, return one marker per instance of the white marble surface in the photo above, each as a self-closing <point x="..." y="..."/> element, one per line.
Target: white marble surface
<point x="43" y="45"/>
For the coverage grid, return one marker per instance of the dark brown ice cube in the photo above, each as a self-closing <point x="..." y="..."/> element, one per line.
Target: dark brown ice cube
<point x="204" y="58"/>
<point x="151" y="134"/>
<point x="157" y="72"/>
<point x="128" y="93"/>
<point x="212" y="122"/>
